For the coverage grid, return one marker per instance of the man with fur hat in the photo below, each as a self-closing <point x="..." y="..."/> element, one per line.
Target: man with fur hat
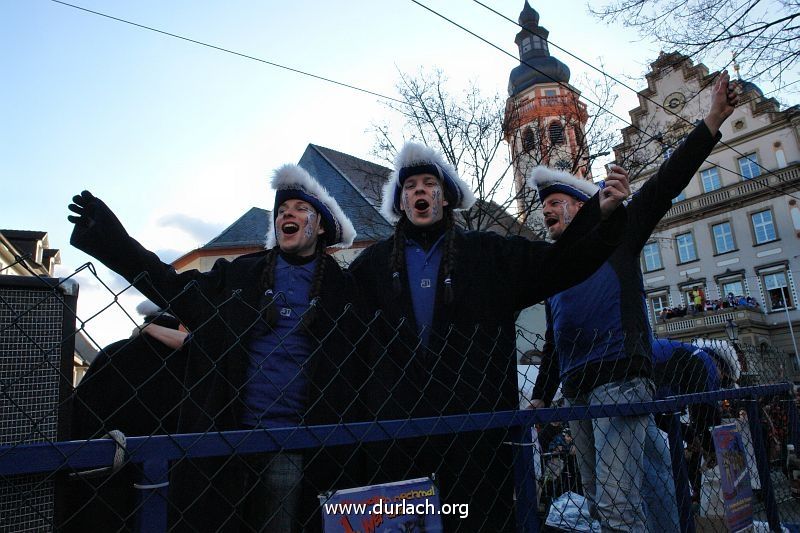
<point x="598" y="337"/>
<point x="273" y="335"/>
<point x="445" y="334"/>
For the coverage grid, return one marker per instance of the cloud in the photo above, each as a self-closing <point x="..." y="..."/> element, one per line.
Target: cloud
<point x="198" y="229"/>
<point x="168" y="255"/>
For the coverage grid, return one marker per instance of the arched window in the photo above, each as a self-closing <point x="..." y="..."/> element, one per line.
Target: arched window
<point x="556" y="131"/>
<point x="528" y="139"/>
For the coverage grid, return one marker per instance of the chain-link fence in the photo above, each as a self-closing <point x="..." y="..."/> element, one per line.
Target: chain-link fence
<point x="223" y="427"/>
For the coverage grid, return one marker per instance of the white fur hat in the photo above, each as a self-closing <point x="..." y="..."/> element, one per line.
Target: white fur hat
<point x="547" y="181"/>
<point x="294" y="182"/>
<point x="722" y="351"/>
<point x="416" y="158"/>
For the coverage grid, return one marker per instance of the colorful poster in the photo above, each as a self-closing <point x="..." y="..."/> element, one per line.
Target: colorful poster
<point x="404" y="506"/>
<point x="737" y="494"/>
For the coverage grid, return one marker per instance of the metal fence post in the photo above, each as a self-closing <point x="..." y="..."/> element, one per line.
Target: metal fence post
<point x="680" y="474"/>
<point x="794" y="428"/>
<point x="152" y="500"/>
<point x="762" y="462"/>
<point x="525" y="484"/>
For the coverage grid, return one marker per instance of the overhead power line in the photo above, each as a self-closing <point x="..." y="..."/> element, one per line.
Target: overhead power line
<point x="396" y="100"/>
<point x="641" y="131"/>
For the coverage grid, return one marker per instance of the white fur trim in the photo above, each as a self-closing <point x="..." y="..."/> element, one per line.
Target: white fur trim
<point x="724" y="350"/>
<point x="296" y="177"/>
<point x="418" y="154"/>
<point x="541" y="176"/>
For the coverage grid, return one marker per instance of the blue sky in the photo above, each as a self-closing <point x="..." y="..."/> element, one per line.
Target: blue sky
<point x="179" y="139"/>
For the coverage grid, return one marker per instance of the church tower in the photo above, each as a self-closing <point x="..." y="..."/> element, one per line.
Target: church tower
<point x="545" y="117"/>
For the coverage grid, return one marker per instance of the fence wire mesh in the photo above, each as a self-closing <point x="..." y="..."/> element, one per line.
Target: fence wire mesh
<point x="218" y="409"/>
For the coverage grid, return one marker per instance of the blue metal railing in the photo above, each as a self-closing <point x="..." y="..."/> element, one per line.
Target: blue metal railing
<point x="154" y="453"/>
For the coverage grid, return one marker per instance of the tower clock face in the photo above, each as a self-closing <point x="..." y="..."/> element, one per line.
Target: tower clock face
<point x="675" y="102"/>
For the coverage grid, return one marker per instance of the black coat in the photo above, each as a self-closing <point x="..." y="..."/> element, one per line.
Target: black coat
<point x="220" y="308"/>
<point x="134" y="386"/>
<point x="469" y="365"/>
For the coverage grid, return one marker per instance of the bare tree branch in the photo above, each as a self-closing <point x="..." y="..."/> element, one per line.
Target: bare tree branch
<point x="761" y="33"/>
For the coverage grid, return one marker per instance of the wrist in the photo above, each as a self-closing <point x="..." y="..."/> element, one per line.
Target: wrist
<point x="713" y="122"/>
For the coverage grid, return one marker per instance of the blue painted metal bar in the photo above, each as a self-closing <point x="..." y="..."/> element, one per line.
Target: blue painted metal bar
<point x="794" y="423"/>
<point x="77" y="455"/>
<point x="524" y="478"/>
<point x="680" y="474"/>
<point x="762" y="462"/>
<point x="153" y="486"/>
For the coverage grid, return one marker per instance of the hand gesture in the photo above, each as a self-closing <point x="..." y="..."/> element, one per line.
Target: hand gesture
<point x="616" y="190"/>
<point x="96" y="226"/>
<point x="536" y="403"/>
<point x="724" y="99"/>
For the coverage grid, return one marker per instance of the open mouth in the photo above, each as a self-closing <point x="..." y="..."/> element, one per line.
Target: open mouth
<point x="421" y="205"/>
<point x="550" y="221"/>
<point x="290" y="228"/>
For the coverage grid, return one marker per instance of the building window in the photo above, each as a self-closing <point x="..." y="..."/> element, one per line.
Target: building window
<point x="658" y="302"/>
<point x="763" y="227"/>
<point x="528" y="139"/>
<point x="686" y="250"/>
<point x="723" y="237"/>
<point x="681" y="197"/>
<point x="710" y="178"/>
<point x="780" y="156"/>
<point x="733" y="287"/>
<point x="550" y="92"/>
<point x="695" y="297"/>
<point x="748" y="167"/>
<point x="776" y="290"/>
<point x="651" y="257"/>
<point x="556" y="131"/>
<point x="526" y="44"/>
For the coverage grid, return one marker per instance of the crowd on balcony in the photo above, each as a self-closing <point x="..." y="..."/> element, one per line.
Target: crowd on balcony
<point x="702" y="305"/>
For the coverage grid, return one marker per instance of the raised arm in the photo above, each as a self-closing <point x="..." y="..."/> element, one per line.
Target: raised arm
<point x="538" y="270"/>
<point x="654" y="199"/>
<point x="99" y="233"/>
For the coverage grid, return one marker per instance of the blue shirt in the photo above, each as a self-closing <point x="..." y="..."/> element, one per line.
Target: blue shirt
<point x="423" y="275"/>
<point x="275" y="394"/>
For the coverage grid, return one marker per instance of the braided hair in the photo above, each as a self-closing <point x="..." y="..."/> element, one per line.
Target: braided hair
<point x="397" y="260"/>
<point x="270" y="313"/>
<point x="315" y="294"/>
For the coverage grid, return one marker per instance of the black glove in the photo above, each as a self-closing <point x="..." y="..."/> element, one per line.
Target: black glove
<point x="97" y="229"/>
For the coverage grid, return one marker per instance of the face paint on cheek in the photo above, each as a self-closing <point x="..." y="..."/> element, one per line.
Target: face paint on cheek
<point x="308" y="231"/>
<point x="405" y="200"/>
<point x="436" y="196"/>
<point x="567" y="216"/>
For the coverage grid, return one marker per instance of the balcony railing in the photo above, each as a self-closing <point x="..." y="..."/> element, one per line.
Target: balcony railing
<point x="707" y="320"/>
<point x="740" y="191"/>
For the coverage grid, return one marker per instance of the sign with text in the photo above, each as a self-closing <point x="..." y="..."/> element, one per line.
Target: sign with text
<point x="411" y="505"/>
<point x="737" y="494"/>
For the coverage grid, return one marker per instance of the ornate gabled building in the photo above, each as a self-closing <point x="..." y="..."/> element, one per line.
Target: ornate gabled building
<point x="735" y="230"/>
<point x="545" y="117"/>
